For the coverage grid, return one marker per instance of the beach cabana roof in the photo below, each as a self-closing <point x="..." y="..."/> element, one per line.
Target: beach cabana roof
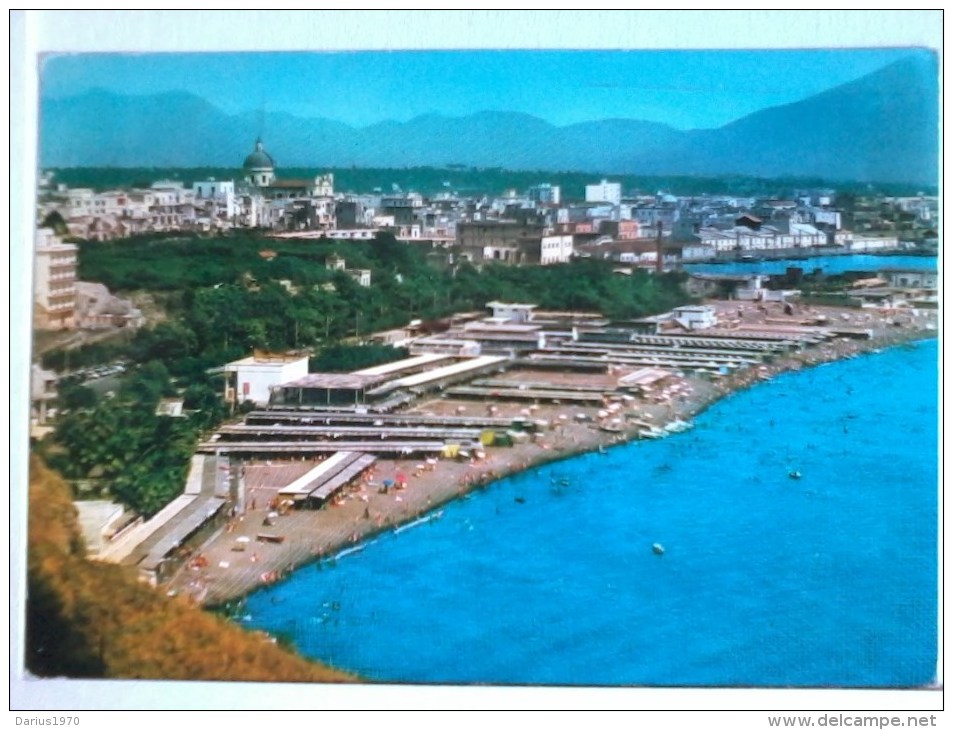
<point x="335" y="381"/>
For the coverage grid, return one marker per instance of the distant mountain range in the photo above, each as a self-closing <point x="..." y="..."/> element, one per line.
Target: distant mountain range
<point x="883" y="127"/>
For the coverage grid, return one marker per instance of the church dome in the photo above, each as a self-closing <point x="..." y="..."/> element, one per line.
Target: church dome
<point x="259" y="159"/>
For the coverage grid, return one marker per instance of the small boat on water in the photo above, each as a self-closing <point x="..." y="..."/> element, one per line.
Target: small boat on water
<point x="658" y="548"/>
<point x="794" y="474"/>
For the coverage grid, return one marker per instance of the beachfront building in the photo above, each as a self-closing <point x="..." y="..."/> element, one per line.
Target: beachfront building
<point x="445" y="345"/>
<point x="253" y="378"/>
<point x="505" y="312"/>
<point x="503" y="337"/>
<point x="696" y="317"/>
<point x="327" y="389"/>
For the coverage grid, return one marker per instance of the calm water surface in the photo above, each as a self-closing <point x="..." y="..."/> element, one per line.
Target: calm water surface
<point x="826" y="580"/>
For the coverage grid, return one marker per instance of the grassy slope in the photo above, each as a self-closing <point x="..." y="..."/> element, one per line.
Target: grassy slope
<point x="87" y="619"/>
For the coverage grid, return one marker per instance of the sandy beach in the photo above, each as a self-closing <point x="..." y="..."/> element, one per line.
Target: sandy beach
<point x="234" y="562"/>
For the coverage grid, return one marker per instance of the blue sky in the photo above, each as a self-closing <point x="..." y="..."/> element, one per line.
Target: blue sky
<point x="686" y="89"/>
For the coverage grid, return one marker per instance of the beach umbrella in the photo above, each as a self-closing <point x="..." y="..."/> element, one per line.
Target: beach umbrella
<point x="243" y="539"/>
<point x="388" y="483"/>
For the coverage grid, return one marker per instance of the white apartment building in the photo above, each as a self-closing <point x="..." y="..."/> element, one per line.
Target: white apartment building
<point x="221" y="192"/>
<point x="79" y="202"/>
<point x="555" y="250"/>
<point x="54" y="281"/>
<point x="604" y="192"/>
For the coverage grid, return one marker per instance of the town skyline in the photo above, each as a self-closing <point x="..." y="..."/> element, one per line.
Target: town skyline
<point x="685" y="89"/>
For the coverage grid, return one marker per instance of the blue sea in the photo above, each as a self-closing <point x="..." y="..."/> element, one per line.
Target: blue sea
<point x="549" y="577"/>
<point x="828" y="264"/>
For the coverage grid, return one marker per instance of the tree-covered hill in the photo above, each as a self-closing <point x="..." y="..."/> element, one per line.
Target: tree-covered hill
<point x="231" y="299"/>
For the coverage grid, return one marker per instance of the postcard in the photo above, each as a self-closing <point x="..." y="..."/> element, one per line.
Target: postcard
<point x="587" y="367"/>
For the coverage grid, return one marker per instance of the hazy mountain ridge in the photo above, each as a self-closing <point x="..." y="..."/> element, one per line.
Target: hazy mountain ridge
<point x="882" y="127"/>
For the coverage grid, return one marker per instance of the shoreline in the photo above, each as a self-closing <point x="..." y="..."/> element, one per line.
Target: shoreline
<point x="333" y="531"/>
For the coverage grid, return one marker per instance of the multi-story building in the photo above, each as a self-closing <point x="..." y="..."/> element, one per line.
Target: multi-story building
<point x="604" y="192"/>
<point x="555" y="249"/>
<point x="253" y="378"/>
<point x="497" y="241"/>
<point x="221" y="193"/>
<point x="54" y="289"/>
<point x="545" y="193"/>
